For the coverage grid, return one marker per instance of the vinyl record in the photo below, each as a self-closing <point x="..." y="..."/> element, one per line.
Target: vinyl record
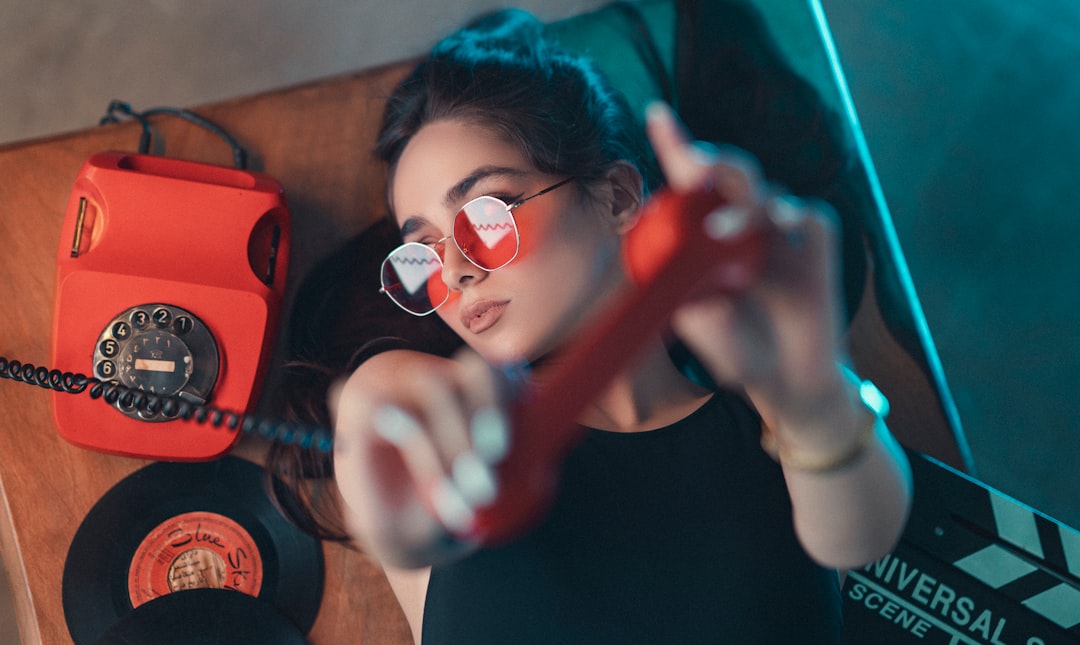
<point x="171" y="528"/>
<point x="203" y="617"/>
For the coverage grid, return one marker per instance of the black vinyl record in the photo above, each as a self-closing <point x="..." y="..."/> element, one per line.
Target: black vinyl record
<point x="203" y="617"/>
<point x="173" y="528"/>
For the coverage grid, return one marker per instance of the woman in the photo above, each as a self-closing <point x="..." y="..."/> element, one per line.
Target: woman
<point x="671" y="524"/>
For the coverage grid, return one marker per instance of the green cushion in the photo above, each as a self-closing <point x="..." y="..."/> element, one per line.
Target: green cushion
<point x="612" y="37"/>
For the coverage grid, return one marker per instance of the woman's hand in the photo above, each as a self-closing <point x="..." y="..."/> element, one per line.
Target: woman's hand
<point x="780" y="339"/>
<point x="416" y="459"/>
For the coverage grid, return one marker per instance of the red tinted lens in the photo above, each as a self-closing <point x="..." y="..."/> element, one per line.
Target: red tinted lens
<point x="412" y="277"/>
<point x="485" y="232"/>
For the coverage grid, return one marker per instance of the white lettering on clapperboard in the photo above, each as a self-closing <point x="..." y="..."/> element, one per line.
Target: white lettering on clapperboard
<point x="888" y="587"/>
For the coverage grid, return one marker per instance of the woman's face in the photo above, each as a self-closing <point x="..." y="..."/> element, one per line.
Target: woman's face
<point x="569" y="252"/>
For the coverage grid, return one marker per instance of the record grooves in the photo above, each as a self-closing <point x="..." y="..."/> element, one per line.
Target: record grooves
<point x="174" y="529"/>
<point x="203" y="617"/>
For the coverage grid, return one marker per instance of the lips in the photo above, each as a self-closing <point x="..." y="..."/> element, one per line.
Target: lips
<point x="481" y="315"/>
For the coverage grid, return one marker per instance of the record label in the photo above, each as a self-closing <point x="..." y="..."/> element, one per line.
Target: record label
<point x="196" y="550"/>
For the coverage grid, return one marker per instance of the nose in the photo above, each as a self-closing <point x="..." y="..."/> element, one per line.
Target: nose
<point x="457" y="269"/>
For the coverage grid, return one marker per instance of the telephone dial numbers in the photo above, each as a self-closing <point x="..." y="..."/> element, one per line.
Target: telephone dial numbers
<point x="158" y="349"/>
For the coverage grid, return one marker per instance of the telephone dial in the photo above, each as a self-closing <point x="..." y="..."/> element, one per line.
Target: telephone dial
<point x="154" y="348"/>
<point x="170" y="277"/>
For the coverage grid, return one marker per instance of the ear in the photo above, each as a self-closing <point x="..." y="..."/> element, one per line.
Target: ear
<point x="625" y="197"/>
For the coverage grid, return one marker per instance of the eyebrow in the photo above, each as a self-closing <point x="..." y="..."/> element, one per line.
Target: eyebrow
<point x="458" y="191"/>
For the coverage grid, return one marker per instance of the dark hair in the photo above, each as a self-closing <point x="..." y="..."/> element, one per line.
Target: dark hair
<point x="500" y="72"/>
<point x="338" y="321"/>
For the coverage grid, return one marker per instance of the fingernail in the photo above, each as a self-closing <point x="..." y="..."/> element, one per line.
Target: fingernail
<point x="490" y="433"/>
<point x="786" y="213"/>
<point x="451" y="507"/>
<point x="475" y="479"/>
<point x="704" y="152"/>
<point x="658" y="111"/>
<point x="783" y="210"/>
<point x="395" y="425"/>
<point x="726" y="222"/>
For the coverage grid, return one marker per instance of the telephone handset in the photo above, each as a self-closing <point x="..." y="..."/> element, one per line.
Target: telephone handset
<point x="679" y="239"/>
<point x="170" y="277"/>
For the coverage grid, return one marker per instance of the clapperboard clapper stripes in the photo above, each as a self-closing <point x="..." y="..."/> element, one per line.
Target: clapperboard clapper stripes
<point x="974" y="567"/>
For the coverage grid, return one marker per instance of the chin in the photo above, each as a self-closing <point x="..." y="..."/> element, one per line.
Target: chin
<point x="496" y="352"/>
<point x="508" y="342"/>
<point x="498" y="355"/>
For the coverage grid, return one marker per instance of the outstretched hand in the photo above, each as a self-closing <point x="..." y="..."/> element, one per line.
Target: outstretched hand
<point x="412" y="462"/>
<point x="780" y="339"/>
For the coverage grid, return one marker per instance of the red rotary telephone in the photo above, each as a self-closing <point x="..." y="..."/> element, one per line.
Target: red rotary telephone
<point x="170" y="278"/>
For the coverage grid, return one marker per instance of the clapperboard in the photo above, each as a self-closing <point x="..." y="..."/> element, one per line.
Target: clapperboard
<point x="974" y="567"/>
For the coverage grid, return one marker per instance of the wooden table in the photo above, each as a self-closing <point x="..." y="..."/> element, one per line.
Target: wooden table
<point x="316" y="140"/>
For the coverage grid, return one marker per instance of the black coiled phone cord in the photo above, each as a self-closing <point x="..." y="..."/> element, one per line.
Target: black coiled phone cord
<point x="276" y="430"/>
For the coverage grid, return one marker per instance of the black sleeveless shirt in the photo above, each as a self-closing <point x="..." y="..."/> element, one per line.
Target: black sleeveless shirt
<point x="677" y="535"/>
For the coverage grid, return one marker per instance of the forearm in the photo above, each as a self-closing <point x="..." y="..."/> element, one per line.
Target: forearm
<point x="855" y="514"/>
<point x="848" y="479"/>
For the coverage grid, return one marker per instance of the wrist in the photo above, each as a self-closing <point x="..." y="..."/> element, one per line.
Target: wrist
<point x="830" y="441"/>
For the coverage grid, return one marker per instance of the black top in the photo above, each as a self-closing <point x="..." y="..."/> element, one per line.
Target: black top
<point x="677" y="535"/>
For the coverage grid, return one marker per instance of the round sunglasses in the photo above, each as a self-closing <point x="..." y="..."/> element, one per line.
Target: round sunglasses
<point x="484" y="231"/>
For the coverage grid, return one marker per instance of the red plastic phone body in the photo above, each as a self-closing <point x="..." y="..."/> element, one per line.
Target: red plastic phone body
<point x="667" y="253"/>
<point x="143" y="229"/>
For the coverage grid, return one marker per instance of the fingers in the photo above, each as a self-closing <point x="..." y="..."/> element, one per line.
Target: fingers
<point x="484" y="433"/>
<point x="799" y="231"/>
<point x="803" y="245"/>
<point x="689" y="165"/>
<point x="488" y="426"/>
<point x="802" y="289"/>
<point x="784" y="333"/>
<point x="450" y="432"/>
<point x="784" y="326"/>
<point x="685" y="167"/>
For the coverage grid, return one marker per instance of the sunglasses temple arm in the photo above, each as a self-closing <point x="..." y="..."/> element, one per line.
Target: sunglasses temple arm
<point x="542" y="192"/>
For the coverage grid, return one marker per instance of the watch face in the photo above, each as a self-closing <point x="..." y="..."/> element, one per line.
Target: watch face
<point x="873" y="398"/>
<point x="157" y="349"/>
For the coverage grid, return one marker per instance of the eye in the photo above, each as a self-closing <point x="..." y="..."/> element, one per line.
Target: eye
<point x="436" y="244"/>
<point x="419" y="230"/>
<point x="506" y="198"/>
<point x="420" y="234"/>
